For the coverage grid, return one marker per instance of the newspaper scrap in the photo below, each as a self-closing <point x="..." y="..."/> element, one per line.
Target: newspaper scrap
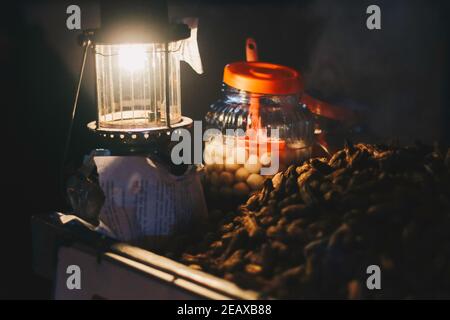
<point x="100" y="228"/>
<point x="143" y="199"/>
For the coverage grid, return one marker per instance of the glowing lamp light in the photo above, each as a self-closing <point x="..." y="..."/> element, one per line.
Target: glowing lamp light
<point x="132" y="57"/>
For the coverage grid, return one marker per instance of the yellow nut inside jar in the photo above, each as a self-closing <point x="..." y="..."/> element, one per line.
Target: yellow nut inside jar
<point x="252" y="164"/>
<point x="231" y="164"/>
<point x="241" y="174"/>
<point x="234" y="170"/>
<point x="226" y="178"/>
<point x="241" y="189"/>
<point x="255" y="181"/>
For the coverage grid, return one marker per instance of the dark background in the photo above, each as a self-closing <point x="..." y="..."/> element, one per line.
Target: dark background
<point x="397" y="76"/>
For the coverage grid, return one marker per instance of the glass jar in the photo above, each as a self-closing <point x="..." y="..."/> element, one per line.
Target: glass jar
<point x="259" y="127"/>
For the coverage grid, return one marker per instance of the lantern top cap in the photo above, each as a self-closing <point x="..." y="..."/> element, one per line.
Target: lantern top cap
<point x="136" y="21"/>
<point x="137" y="34"/>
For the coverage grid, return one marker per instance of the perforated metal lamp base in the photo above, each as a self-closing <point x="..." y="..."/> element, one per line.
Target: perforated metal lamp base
<point x="137" y="136"/>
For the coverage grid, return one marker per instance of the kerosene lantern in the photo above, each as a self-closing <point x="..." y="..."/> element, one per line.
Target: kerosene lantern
<point x="137" y="56"/>
<point x="137" y="68"/>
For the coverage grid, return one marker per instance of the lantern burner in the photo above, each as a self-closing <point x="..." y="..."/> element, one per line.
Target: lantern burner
<point x="137" y="136"/>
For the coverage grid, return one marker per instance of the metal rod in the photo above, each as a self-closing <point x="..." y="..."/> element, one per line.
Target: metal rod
<point x="86" y="44"/>
<point x="97" y="100"/>
<point x="166" y="59"/>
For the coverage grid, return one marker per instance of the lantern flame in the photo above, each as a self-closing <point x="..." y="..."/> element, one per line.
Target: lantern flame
<point x="132" y="57"/>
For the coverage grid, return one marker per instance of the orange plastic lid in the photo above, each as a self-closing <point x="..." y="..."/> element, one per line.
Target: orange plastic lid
<point x="262" y="77"/>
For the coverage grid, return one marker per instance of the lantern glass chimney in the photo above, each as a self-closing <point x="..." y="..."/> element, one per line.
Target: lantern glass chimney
<point x="131" y="85"/>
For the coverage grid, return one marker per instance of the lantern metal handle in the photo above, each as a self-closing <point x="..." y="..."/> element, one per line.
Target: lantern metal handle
<point x="86" y="44"/>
